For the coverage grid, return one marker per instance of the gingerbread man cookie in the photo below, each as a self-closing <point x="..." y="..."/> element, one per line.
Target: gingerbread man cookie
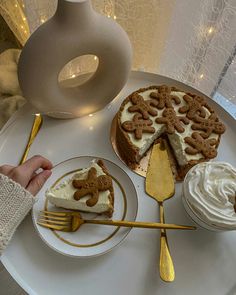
<point x="208" y="125"/>
<point x="138" y="126"/>
<point x="142" y="106"/>
<point x="194" y="106"/>
<point x="91" y="186"/>
<point x="172" y="121"/>
<point x="200" y="145"/>
<point x="164" y="97"/>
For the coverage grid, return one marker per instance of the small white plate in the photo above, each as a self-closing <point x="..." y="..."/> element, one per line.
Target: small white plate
<point x="91" y="239"/>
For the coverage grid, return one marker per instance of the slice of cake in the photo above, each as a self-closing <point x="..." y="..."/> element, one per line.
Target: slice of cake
<point x="88" y="190"/>
<point x="192" y="127"/>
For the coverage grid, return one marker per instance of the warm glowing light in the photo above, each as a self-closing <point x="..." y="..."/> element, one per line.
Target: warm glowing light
<point x="91" y="128"/>
<point x="90" y="115"/>
<point x="114" y="16"/>
<point x="16" y="5"/>
<point x="201" y="76"/>
<point x="108" y="15"/>
<point x="210" y="30"/>
<point x="24" y="18"/>
<point x="72" y="76"/>
<point x="95" y="58"/>
<point x="25" y="31"/>
<point x="22" y="27"/>
<point x="42" y="20"/>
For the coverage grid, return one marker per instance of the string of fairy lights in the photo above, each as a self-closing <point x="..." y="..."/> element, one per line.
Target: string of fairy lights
<point x="13" y="14"/>
<point x="16" y="15"/>
<point x="209" y="31"/>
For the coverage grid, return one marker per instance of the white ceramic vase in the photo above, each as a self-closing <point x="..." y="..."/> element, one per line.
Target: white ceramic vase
<point x="75" y="30"/>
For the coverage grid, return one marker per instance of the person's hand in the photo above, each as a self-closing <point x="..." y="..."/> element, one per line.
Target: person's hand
<point x="26" y="174"/>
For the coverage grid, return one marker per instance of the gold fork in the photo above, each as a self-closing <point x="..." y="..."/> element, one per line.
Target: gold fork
<point x="38" y="120"/>
<point x="71" y="221"/>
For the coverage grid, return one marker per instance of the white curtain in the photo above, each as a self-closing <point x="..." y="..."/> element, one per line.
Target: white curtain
<point x="191" y="41"/>
<point x="13" y="13"/>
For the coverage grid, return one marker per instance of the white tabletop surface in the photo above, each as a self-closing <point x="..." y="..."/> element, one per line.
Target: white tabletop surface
<point x="205" y="262"/>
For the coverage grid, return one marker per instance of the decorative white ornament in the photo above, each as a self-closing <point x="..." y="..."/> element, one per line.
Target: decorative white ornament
<point x="75" y="30"/>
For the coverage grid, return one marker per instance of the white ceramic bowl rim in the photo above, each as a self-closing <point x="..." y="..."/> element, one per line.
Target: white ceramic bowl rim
<point x="197" y="218"/>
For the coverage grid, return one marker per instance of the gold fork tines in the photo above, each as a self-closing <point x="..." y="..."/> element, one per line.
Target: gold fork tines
<point x="57" y="213"/>
<point x="53" y="217"/>
<point x="59" y="220"/>
<point x="51" y="226"/>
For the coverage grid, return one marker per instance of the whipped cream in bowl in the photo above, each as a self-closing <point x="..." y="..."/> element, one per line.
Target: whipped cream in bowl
<point x="209" y="195"/>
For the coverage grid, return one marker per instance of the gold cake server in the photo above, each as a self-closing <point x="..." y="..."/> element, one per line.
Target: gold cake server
<point x="38" y="120"/>
<point x="160" y="186"/>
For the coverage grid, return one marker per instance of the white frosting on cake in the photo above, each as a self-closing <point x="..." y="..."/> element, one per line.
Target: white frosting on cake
<point x="210" y="190"/>
<point x="176" y="139"/>
<point x="62" y="195"/>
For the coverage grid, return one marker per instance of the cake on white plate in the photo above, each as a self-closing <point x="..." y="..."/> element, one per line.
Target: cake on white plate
<point x="88" y="190"/>
<point x="192" y="127"/>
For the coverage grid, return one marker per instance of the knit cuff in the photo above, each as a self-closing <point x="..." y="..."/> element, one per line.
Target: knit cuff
<point x="15" y="203"/>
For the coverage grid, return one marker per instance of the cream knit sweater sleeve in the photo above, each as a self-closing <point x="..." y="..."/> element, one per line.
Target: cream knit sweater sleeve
<point x="15" y="203"/>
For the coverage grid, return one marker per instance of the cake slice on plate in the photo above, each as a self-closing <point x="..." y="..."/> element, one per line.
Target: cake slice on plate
<point x="88" y="190"/>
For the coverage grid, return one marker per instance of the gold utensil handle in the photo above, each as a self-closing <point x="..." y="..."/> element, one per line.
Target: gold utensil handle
<point x="139" y="224"/>
<point x="34" y="131"/>
<point x="167" y="271"/>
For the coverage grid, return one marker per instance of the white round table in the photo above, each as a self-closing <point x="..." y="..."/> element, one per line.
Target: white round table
<point x="205" y="262"/>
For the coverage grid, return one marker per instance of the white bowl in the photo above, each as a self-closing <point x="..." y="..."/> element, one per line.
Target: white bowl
<point x="191" y="179"/>
<point x="196" y="217"/>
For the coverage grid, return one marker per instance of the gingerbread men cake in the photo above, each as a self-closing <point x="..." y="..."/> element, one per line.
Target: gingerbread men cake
<point x="88" y="190"/>
<point x="192" y="127"/>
